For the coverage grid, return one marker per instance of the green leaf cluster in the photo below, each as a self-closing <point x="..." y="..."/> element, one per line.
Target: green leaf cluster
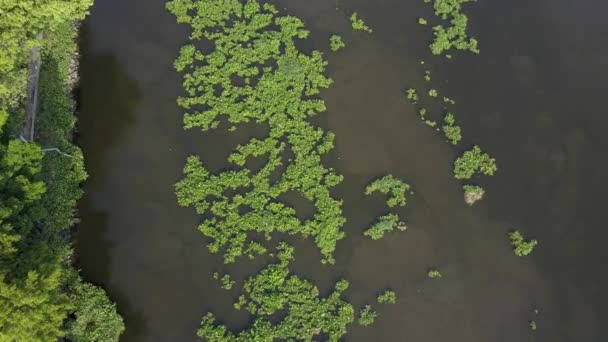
<point x="385" y="224"/>
<point x="454" y="34"/>
<point x="433" y="274"/>
<point x="358" y="24"/>
<point x="472" y="162"/>
<point x="41" y="298"/>
<point x="521" y="247"/>
<point x="273" y="291"/>
<point x="451" y="131"/>
<point x="255" y="73"/>
<point x="389" y="185"/>
<point x="336" y="43"/>
<point x="388" y="297"/>
<point x="367" y="316"/>
<point x="96" y="319"/>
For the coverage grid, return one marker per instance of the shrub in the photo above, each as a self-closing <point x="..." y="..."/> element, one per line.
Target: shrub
<point x="385" y="224"/>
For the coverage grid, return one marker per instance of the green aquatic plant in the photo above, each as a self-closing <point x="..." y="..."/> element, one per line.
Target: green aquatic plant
<point x="451" y="131"/>
<point x="532" y="325"/>
<point x="427" y="75"/>
<point x="433" y="93"/>
<point x="367" y="316"/>
<point x="385" y="224"/>
<point x="388" y="297"/>
<point x="422" y="21"/>
<point x="433" y="274"/>
<point x="473" y="193"/>
<point x="422" y="113"/>
<point x="336" y="43"/>
<point x="521" y="247"/>
<point x="430" y="123"/>
<point x="252" y="42"/>
<point x="411" y="95"/>
<point x="454" y="34"/>
<point x="274" y="290"/>
<point x="389" y="185"/>
<point x="472" y="162"/>
<point x="358" y="24"/>
<point x="227" y="281"/>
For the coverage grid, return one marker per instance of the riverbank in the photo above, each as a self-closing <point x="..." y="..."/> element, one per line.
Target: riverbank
<point x="41" y="293"/>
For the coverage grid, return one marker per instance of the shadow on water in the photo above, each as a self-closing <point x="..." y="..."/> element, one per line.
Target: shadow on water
<point x="107" y="98"/>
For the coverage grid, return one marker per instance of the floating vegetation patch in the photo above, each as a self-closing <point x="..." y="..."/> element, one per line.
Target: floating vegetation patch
<point x="474" y="161"/>
<point x="358" y="24"/>
<point x="452" y="33"/>
<point x="274" y="291"/>
<point x="389" y="185"/>
<point x="450" y="129"/>
<point x="473" y="193"/>
<point x="521" y="247"/>
<point x="385" y="224"/>
<point x="336" y="43"/>
<point x="387" y="297"/>
<point x="367" y="316"/>
<point x="255" y="73"/>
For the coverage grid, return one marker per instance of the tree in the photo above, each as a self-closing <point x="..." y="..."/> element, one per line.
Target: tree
<point x="96" y="319"/>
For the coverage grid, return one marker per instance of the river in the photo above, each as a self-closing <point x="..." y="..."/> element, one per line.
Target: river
<point x="533" y="98"/>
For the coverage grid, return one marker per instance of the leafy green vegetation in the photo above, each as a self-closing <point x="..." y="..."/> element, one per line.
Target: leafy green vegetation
<point x="367" y="316"/>
<point x="532" y="325"/>
<point x="388" y="297"/>
<point x="96" y="318"/>
<point x="472" y="162"/>
<point x="433" y="274"/>
<point x="385" y="224"/>
<point x="411" y="95"/>
<point x="390" y="185"/>
<point x="226" y="280"/>
<point x="433" y="93"/>
<point x="454" y="34"/>
<point x="279" y="89"/>
<point x="521" y="247"/>
<point x="451" y="130"/>
<point x="473" y="193"/>
<point x="422" y="21"/>
<point x="273" y="291"/>
<point x="336" y="43"/>
<point x="41" y="297"/>
<point x="358" y="24"/>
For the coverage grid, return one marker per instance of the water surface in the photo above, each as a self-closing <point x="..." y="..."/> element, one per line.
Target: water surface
<point x="533" y="98"/>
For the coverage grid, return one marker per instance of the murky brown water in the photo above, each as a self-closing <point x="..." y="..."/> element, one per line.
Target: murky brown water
<point x="533" y="98"/>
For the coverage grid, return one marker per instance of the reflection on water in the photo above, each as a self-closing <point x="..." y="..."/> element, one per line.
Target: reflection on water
<point x="532" y="98"/>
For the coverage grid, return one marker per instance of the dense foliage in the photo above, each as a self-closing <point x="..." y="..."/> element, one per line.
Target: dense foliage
<point x="96" y="319"/>
<point x="358" y="24"/>
<point x="256" y="73"/>
<point x="388" y="297"/>
<point x="22" y="22"/>
<point x="454" y="34"/>
<point x="389" y="185"/>
<point x="521" y="247"/>
<point x="472" y="162"/>
<point x="41" y="298"/>
<point x="273" y="291"/>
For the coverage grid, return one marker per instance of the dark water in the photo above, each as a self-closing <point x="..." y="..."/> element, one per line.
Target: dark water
<point x="533" y="98"/>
